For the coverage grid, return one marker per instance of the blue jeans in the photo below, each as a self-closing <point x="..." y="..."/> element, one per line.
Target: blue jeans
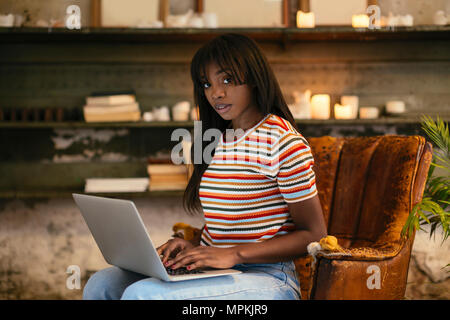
<point x="274" y="281"/>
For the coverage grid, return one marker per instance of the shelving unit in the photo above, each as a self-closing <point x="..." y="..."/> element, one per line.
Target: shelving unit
<point x="190" y="124"/>
<point x="49" y="194"/>
<point x="68" y="178"/>
<point x="68" y="124"/>
<point x="28" y="148"/>
<point x="282" y="35"/>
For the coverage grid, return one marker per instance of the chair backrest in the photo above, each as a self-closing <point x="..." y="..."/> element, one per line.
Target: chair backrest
<point x="367" y="185"/>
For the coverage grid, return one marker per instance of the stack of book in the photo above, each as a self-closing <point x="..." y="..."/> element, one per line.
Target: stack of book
<point x="116" y="107"/>
<point x="99" y="185"/>
<point x="167" y="176"/>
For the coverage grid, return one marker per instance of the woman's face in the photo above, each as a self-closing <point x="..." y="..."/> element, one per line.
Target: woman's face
<point x="229" y="99"/>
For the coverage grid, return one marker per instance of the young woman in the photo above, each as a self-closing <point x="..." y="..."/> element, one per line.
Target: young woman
<point x="258" y="193"/>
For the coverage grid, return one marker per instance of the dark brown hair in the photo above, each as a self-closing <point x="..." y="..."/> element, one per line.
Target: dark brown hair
<point x="248" y="65"/>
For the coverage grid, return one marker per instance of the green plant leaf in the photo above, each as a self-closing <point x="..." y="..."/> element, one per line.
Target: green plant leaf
<point x="436" y="196"/>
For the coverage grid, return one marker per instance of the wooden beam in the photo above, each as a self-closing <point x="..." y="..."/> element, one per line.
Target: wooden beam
<point x="303" y="5"/>
<point x="285" y="13"/>
<point x="164" y="8"/>
<point x="96" y="13"/>
<point x="199" y="6"/>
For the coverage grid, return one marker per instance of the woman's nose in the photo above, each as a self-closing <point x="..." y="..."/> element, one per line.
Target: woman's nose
<point x="218" y="92"/>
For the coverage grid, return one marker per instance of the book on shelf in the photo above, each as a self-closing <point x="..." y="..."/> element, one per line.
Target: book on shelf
<point x="168" y="178"/>
<point x="113" y="116"/>
<point x="104" y="109"/>
<point x="167" y="186"/>
<point x="111" y="98"/>
<point x="112" y="93"/>
<point x="99" y="185"/>
<point x="166" y="169"/>
<point x="111" y="107"/>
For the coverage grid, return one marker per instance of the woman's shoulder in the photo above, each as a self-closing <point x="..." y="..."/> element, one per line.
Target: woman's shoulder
<point x="280" y="126"/>
<point x="283" y="133"/>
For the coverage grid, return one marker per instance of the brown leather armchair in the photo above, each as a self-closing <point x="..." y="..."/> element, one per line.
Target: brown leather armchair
<point x="367" y="187"/>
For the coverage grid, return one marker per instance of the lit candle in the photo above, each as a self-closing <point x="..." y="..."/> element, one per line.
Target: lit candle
<point x="368" y="112"/>
<point x="360" y="21"/>
<point x="342" y="112"/>
<point x="395" y="107"/>
<point x="320" y="106"/>
<point x="352" y="101"/>
<point x="305" y="19"/>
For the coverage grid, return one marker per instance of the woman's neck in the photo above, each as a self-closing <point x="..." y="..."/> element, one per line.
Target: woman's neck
<point x="247" y="120"/>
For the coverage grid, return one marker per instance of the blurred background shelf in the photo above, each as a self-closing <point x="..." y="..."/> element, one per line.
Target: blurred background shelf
<point x="190" y="124"/>
<point x="80" y="124"/>
<point x="322" y="33"/>
<point x="31" y="194"/>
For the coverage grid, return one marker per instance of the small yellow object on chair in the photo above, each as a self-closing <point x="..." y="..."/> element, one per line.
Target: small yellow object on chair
<point x="330" y="243"/>
<point x="189" y="232"/>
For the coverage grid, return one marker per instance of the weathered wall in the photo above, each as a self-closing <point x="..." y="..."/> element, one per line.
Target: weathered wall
<point x="428" y="277"/>
<point x="422" y="10"/>
<point x="63" y="74"/>
<point x="40" y="239"/>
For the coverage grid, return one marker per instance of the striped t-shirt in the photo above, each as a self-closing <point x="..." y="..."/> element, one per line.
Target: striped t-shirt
<point x="246" y="187"/>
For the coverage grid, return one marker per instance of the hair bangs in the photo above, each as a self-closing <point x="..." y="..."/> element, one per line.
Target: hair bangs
<point x="223" y="55"/>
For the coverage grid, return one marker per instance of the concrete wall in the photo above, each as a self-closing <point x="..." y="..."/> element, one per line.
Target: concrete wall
<point x="422" y="10"/>
<point x="40" y="239"/>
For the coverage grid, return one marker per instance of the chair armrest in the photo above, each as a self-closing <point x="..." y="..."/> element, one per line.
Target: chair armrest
<point x="366" y="273"/>
<point x="374" y="253"/>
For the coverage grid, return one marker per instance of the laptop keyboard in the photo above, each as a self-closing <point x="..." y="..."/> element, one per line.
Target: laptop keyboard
<point x="182" y="270"/>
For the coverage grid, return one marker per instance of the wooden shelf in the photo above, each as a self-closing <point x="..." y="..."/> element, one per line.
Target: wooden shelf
<point x="31" y="194"/>
<point x="190" y="124"/>
<point x="82" y="124"/>
<point x="323" y="33"/>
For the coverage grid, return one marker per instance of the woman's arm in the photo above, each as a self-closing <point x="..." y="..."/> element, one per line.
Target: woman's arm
<point x="310" y="226"/>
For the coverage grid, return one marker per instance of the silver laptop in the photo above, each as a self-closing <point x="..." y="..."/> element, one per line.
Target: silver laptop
<point x="124" y="242"/>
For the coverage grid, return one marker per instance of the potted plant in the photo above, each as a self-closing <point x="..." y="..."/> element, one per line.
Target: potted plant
<point x="436" y="198"/>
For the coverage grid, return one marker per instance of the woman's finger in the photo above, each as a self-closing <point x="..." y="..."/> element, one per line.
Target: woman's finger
<point x="161" y="248"/>
<point x="187" y="259"/>
<point x="196" y="265"/>
<point x="168" y="251"/>
<point x="183" y="254"/>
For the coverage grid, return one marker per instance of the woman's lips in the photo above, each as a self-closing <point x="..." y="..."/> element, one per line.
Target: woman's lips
<point x="222" y="108"/>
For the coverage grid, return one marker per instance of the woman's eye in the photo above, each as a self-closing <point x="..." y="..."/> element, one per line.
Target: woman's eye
<point x="228" y="80"/>
<point x="205" y="85"/>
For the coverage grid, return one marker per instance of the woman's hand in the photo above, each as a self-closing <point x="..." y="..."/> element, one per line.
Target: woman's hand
<point x="202" y="256"/>
<point x="172" y="247"/>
